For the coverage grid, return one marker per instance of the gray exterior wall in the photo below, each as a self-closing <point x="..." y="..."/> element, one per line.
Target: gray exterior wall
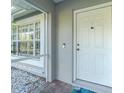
<point x="64" y="34"/>
<point x="64" y="31"/>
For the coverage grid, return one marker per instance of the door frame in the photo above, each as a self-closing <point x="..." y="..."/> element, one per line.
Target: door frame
<point x="74" y="73"/>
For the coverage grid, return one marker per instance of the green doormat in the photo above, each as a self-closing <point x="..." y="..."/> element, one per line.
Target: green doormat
<point x="82" y="90"/>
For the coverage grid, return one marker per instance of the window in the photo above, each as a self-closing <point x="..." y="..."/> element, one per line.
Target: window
<point x="25" y="38"/>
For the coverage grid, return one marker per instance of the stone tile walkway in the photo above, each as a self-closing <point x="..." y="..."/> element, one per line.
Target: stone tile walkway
<point x="57" y="87"/>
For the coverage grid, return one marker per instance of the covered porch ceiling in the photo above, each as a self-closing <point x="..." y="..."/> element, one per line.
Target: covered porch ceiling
<point x="20" y="8"/>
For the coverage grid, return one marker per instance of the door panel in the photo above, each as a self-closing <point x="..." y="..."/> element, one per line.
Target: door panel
<point x="94" y="46"/>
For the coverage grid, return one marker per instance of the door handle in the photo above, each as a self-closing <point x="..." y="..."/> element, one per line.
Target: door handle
<point x="77" y="49"/>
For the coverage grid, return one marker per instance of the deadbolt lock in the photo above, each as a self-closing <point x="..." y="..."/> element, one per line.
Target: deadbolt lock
<point x="78" y="44"/>
<point x="92" y="27"/>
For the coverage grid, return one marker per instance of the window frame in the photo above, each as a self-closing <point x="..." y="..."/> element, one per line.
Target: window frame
<point x="30" y="21"/>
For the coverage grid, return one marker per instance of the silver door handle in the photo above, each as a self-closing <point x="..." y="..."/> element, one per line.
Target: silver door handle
<point x="77" y="49"/>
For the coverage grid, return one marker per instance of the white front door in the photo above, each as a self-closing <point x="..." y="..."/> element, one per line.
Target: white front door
<point x="93" y="46"/>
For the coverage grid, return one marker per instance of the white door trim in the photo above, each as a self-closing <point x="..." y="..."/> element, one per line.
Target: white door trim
<point x="93" y="7"/>
<point x="74" y="79"/>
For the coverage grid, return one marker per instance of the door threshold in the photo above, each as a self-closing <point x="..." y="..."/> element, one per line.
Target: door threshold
<point x="92" y="86"/>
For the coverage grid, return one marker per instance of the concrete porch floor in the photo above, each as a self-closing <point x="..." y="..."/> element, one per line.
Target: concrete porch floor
<point x="25" y="82"/>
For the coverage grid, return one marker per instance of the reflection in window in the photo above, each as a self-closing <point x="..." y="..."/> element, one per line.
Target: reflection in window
<point x="14" y="29"/>
<point x="37" y="30"/>
<point x="37" y="47"/>
<point x="14" y="37"/>
<point x="22" y="48"/>
<point x="13" y="48"/>
<point x="27" y="39"/>
<point x="30" y="48"/>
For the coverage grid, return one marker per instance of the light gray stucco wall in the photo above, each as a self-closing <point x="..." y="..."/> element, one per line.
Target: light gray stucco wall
<point x="45" y="5"/>
<point x="64" y="29"/>
<point x="49" y="7"/>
